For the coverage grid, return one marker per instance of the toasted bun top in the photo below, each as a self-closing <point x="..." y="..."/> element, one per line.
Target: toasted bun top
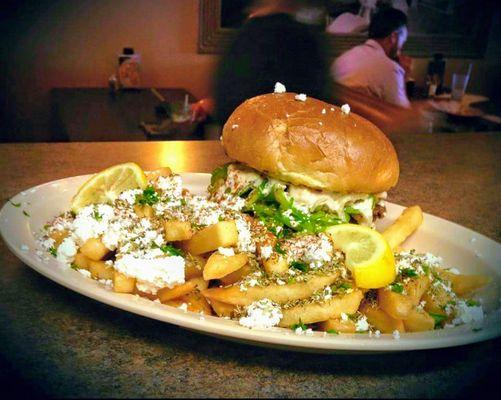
<point x="311" y="143"/>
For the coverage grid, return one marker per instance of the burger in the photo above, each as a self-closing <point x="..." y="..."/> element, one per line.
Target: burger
<point x="302" y="164"/>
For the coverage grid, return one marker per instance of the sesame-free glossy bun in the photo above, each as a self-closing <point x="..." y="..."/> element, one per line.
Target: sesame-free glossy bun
<point x="311" y="143"/>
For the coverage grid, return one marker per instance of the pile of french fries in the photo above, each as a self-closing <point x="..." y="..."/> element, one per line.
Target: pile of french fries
<point x="213" y="281"/>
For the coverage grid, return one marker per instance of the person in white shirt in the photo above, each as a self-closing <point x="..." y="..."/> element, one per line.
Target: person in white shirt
<point x="376" y="66"/>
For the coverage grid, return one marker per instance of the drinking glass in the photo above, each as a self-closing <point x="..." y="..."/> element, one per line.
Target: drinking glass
<point x="459" y="84"/>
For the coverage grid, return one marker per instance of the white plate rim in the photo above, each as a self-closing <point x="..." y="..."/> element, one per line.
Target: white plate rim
<point x="275" y="337"/>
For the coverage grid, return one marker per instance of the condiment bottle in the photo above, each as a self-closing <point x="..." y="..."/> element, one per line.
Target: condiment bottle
<point x="129" y="69"/>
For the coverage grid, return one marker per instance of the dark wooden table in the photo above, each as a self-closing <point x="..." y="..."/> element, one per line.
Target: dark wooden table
<point x="98" y="114"/>
<point x="61" y="344"/>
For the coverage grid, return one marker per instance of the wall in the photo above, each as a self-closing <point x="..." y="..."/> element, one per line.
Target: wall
<point x="74" y="43"/>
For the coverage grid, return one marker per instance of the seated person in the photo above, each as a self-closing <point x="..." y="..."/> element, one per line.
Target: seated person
<point x="279" y="42"/>
<point x="376" y="67"/>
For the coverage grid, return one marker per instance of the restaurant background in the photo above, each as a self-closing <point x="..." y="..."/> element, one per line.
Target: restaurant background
<point x="75" y="43"/>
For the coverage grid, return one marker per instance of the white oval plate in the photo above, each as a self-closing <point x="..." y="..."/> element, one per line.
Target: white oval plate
<point x="468" y="251"/>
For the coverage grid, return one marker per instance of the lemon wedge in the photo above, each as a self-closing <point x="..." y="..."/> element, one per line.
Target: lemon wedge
<point x="105" y="186"/>
<point x="368" y="254"/>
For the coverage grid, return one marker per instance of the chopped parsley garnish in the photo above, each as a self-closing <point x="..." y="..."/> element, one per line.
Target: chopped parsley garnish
<point x="426" y="268"/>
<point x="408" y="272"/>
<point x="278" y="249"/>
<point x="74" y="266"/>
<point x="299" y="325"/>
<point x="343" y="286"/>
<point x="15" y="204"/>
<point x="397" y="287"/>
<point x="299" y="265"/>
<point x="26" y="213"/>
<point x="171" y="250"/>
<point x="472" y="303"/>
<point x="332" y="331"/>
<point x="53" y="251"/>
<point x="350" y="210"/>
<point x="439" y="318"/>
<point x="148" y="197"/>
<point x="183" y="202"/>
<point x="97" y="216"/>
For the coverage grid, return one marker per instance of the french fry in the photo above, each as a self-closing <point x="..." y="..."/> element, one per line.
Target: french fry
<point x="236" y="276"/>
<point x="418" y="321"/>
<point x="157" y="173"/>
<point x="381" y="320"/>
<point x="315" y="312"/>
<point x="410" y="219"/>
<point x="194" y="266"/>
<point x="144" y="211"/>
<point x="123" y="283"/>
<point x="99" y="270"/>
<point x="94" y="249"/>
<point x="338" y="325"/>
<point x="276" y="264"/>
<point x="221" y="234"/>
<point x="81" y="261"/>
<point x="416" y="287"/>
<point x="222" y="309"/>
<point x="219" y="265"/>
<point x="396" y="305"/>
<point x="197" y="303"/>
<point x="278" y="293"/>
<point x="58" y="236"/>
<point x="436" y="299"/>
<point x="177" y="230"/>
<point x="464" y="284"/>
<point x="167" y="294"/>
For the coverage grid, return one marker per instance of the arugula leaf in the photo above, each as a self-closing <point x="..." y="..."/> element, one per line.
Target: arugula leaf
<point x="148" y="197"/>
<point x="220" y="173"/>
<point x="299" y="265"/>
<point x="439" y="318"/>
<point x="350" y="210"/>
<point x="397" y="287"/>
<point x="171" y="250"/>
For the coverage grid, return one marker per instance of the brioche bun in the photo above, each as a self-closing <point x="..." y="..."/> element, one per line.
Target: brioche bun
<point x="311" y="143"/>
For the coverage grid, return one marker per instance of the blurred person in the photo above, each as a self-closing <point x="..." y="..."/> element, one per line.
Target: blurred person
<point x="281" y="41"/>
<point x="377" y="67"/>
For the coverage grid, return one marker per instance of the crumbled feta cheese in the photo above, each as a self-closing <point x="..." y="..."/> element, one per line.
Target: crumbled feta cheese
<point x="377" y="333"/>
<point x="24" y="247"/>
<point x="468" y="314"/>
<point x="67" y="250"/>
<point x="234" y="126"/>
<point x="84" y="272"/>
<point x="345" y="109"/>
<point x="183" y="307"/>
<point x="226" y="251"/>
<point x="279" y="88"/>
<point x="262" y="314"/>
<point x="362" y="325"/>
<point x="396" y="334"/>
<point x="324" y="111"/>
<point x="245" y="242"/>
<point x="129" y="196"/>
<point x="152" y="273"/>
<point x="266" y="252"/>
<point x="300" y="97"/>
<point x="344" y="317"/>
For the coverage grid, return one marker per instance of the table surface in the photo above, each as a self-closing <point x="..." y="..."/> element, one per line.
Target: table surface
<point x="60" y="343"/>
<point x="96" y="114"/>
